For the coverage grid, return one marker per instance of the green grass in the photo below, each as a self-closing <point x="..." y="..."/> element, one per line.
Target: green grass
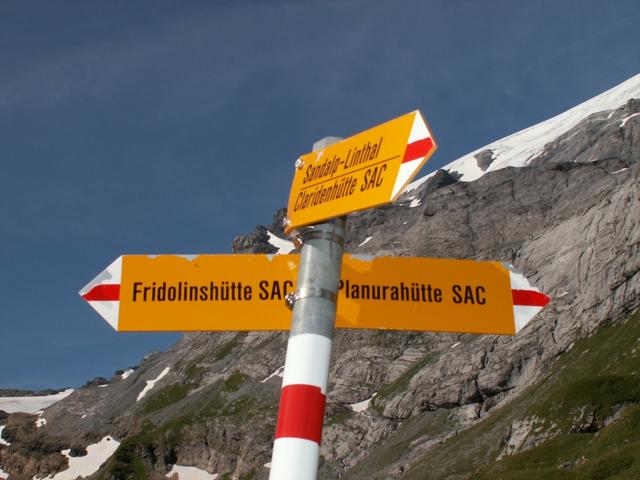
<point x="402" y="382"/>
<point x="599" y="394"/>
<point x="194" y="373"/>
<point x="341" y="417"/>
<point x="224" y="402"/>
<point x="599" y="376"/>
<point x="226" y="348"/>
<point x="612" y="453"/>
<point x="429" y="424"/>
<point x="165" y="397"/>
<point x="232" y="384"/>
<point x="250" y="475"/>
<point x="240" y="409"/>
<point x="126" y="463"/>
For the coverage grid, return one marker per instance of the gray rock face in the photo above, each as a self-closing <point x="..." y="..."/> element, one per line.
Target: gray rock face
<point x="602" y="136"/>
<point x="569" y="222"/>
<point x="258" y="241"/>
<point x="484" y="159"/>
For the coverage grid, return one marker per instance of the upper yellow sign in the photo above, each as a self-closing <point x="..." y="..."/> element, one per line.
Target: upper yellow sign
<point x="368" y="169"/>
<point x="247" y="292"/>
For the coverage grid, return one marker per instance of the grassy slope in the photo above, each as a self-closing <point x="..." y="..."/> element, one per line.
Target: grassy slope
<point x="168" y="418"/>
<point x="599" y="376"/>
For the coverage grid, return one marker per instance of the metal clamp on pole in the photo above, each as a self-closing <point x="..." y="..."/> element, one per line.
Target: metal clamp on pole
<point x="311" y="233"/>
<point x="316" y="234"/>
<point x="309" y="292"/>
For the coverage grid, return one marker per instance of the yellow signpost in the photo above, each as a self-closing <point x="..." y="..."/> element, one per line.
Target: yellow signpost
<point x="247" y="292"/>
<point x="368" y="169"/>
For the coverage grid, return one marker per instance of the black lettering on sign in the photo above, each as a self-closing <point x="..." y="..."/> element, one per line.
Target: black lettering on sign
<point x="468" y="295"/>
<point x="275" y="290"/>
<point x="373" y="177"/>
<point x="264" y="289"/>
<point x="137" y="290"/>
<point x="480" y="298"/>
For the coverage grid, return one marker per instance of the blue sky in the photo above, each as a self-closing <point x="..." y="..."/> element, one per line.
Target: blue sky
<point x="170" y="127"/>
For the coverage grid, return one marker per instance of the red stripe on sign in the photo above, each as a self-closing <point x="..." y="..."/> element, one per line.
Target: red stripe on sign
<point x="529" y="298"/>
<point x="103" y="293"/>
<point x="301" y="413"/>
<point x="417" y="149"/>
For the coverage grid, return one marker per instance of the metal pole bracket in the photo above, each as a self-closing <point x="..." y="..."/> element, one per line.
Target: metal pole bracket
<point x="309" y="292"/>
<point x="311" y="233"/>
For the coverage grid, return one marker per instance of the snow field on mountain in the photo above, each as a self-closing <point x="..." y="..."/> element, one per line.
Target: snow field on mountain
<point x="179" y="472"/>
<point x="31" y="404"/>
<point x="97" y="454"/>
<point x="363" y="405"/>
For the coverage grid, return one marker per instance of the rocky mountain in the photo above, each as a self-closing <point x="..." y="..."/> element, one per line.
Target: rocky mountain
<point x="560" y="201"/>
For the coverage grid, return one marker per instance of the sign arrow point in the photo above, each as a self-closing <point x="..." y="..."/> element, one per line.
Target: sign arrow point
<point x="103" y="293"/>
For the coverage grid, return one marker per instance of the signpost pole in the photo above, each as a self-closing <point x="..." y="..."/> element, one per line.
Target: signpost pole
<point x="296" y="448"/>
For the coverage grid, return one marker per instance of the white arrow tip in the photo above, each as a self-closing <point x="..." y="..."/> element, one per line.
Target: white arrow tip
<point x="103" y="293"/>
<point x="528" y="301"/>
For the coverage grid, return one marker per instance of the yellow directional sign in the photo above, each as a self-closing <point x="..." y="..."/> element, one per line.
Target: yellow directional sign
<point x="246" y="292"/>
<point x="194" y="293"/>
<point x="368" y="169"/>
<point x="438" y="295"/>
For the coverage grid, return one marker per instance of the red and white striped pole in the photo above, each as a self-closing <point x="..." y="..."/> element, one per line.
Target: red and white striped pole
<point x="296" y="449"/>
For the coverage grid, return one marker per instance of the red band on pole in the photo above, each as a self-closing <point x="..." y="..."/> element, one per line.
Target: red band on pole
<point x="103" y="293"/>
<point x="529" y="298"/>
<point x="417" y="149"/>
<point x="301" y="413"/>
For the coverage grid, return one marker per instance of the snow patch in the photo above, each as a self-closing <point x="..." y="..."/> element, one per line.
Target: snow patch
<point x="151" y="384"/>
<point x="267" y="465"/>
<point x="625" y="120"/>
<point x="41" y="421"/>
<point x="415" y="202"/>
<point x="621" y="170"/>
<point x="179" y="472"/>
<point x="3" y="475"/>
<point x="2" y="440"/>
<point x="283" y="246"/>
<point x="127" y="373"/>
<point x="363" y="405"/>
<point x="365" y="241"/>
<point x="455" y="344"/>
<point x="278" y="373"/>
<point x="31" y="404"/>
<point x="97" y="454"/>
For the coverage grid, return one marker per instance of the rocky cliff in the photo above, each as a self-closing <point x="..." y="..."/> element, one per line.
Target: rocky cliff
<point x="569" y="220"/>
